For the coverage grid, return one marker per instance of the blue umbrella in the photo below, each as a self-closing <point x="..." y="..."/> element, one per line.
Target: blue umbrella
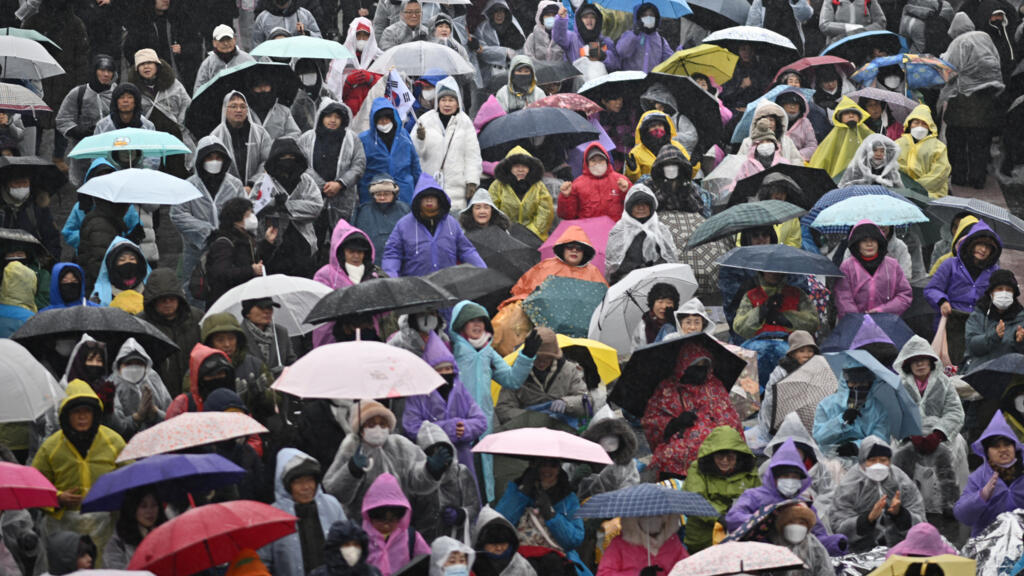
<point x="151" y="143"/>
<point x="991" y="378"/>
<point x="667" y="8"/>
<point x="565" y="304"/>
<point x="856" y="47"/>
<point x="922" y="71"/>
<point x="901" y="411"/>
<point x="172" y="475"/>
<point x="883" y="211"/>
<point x="742" y="129"/>
<point x="645" y="500"/>
<point x="780" y="259"/>
<point x="856" y="330"/>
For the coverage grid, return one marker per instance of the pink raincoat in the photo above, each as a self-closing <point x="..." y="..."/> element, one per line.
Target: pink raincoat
<point x="860" y="292"/>
<point x="390" y="554"/>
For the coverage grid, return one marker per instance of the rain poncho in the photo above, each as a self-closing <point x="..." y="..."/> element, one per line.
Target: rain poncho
<point x="442" y="548"/>
<point x="640" y="48"/>
<point x="302" y="205"/>
<point x="287" y="18"/>
<point x="449" y="151"/>
<point x="334" y="564"/>
<point x="498" y="218"/>
<point x="576" y="43"/>
<point x="347" y="168"/>
<point x="401" y="33"/>
<point x="392" y="553"/>
<point x="256" y="143"/>
<point x="213" y="64"/>
<point x="913" y="24"/>
<point x="104" y="291"/>
<point x="491" y="526"/>
<point x="634" y="549"/>
<point x="953" y="281"/>
<point x="497" y="44"/>
<point x="633" y="244"/>
<point x="128" y="394"/>
<point x="363" y="59"/>
<point x="182" y="328"/>
<point x="796" y="308"/>
<point x="457" y="490"/>
<point x="972" y="509"/>
<point x="17" y="297"/>
<point x="400" y="160"/>
<point x="591" y="196"/>
<point x="333" y="274"/>
<point x="787" y="147"/>
<point x="555" y="266"/>
<point x="860" y="291"/>
<point x="840" y="18"/>
<point x="840" y="146"/>
<point x="644" y="156"/>
<point x="857" y="494"/>
<point x="56" y="300"/>
<point x="167" y="94"/>
<point x="830" y="430"/>
<point x="823" y="471"/>
<point x="511" y="100"/>
<point x="534" y="208"/>
<point x="975" y="58"/>
<point x="862" y="170"/>
<point x="925" y="160"/>
<point x="539" y="46"/>
<point x="948" y="245"/>
<point x="686" y="132"/>
<point x="82" y="107"/>
<point x="623" y="471"/>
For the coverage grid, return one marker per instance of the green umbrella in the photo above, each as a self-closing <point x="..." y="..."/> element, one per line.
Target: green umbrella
<point x="744" y="216"/>
<point x="302" y="47"/>
<point x="564" y="304"/>
<point x="30" y="34"/>
<point x="150" y="142"/>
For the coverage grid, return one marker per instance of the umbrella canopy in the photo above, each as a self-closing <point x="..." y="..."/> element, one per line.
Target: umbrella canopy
<point x="189" y="430"/>
<point x="759" y="525"/>
<point x="548" y="72"/>
<point x="701" y="107"/>
<point x="43" y="172"/>
<point x="30" y="34"/>
<point x="302" y="47"/>
<point x="138" y="186"/>
<point x="149" y="142"/>
<point x="210" y="535"/>
<point x="14" y="98"/>
<point x="596" y="358"/>
<point x="667" y="8"/>
<point x="622" y="308"/>
<point x="991" y="378"/>
<point x="624" y="82"/>
<point x="26" y="59"/>
<point x="542" y="443"/>
<point x="204" y="113"/>
<point x="902" y="412"/>
<point x="297" y="297"/>
<point x="372" y="370"/>
<point x="24" y="487"/>
<point x="813" y="182"/>
<point x="468" y="282"/>
<point x="418" y="566"/>
<point x="569" y="101"/>
<point x="504" y="133"/>
<point x="855" y="330"/>
<point x="597" y="230"/>
<point x="899" y="105"/>
<point x="712" y="61"/>
<point x="838" y="195"/>
<point x="421" y="58"/>
<point x="651" y="364"/>
<point x="718" y="14"/>
<point x="173" y="475"/>
<point x="742" y="129"/>
<point x="645" y="500"/>
<point x="882" y="210"/>
<point x="564" y="304"/>
<point x="921" y="70"/>
<point x="770" y="44"/>
<point x="737" y="558"/>
<point x="948" y="564"/>
<point x="737" y="218"/>
<point x="806" y="66"/>
<point x="402" y="295"/>
<point x="801" y="392"/>
<point x="857" y="47"/>
<point x="502" y="252"/>
<point x="29" y="388"/>
<point x="1009" y="227"/>
<point x="780" y="259"/>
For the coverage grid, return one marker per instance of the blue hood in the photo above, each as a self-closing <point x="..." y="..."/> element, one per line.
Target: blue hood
<point x="786" y="455"/>
<point x="96" y="163"/>
<point x="103" y="288"/>
<point x="58" y="270"/>
<point x="381" y="104"/>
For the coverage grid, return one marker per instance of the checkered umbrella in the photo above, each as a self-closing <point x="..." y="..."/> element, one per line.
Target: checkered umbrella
<point x="645" y="500"/>
<point x="742" y="217"/>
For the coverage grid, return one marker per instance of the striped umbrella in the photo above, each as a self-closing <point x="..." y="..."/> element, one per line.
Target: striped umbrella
<point x="15" y="98"/>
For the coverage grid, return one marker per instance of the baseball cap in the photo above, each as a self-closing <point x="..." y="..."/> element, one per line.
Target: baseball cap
<point x="223" y="31"/>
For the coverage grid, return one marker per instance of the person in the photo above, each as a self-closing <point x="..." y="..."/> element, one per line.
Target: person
<point x="497" y="547"/>
<point x="642" y="47"/>
<point x="83" y="107"/>
<point x="841" y="18"/>
<point x="880" y="119"/>
<point x="17" y="297"/>
<point x="843" y="420"/>
<point x="587" y="39"/>
<point x="447" y="146"/>
<point x="792" y="529"/>
<point x="140" y="397"/>
<point x="619" y="122"/>
<point x="297" y="491"/>
<point x="247" y="454"/>
<point x="521" y="88"/>
<point x="72" y="230"/>
<point x="429" y="238"/>
<point x="351" y="258"/>
<point x="822" y="470"/>
<point x="362" y="42"/>
<point x="836" y="150"/>
<point x="247" y="142"/>
<point x="247" y="563"/>
<point x="763" y="153"/>
<point x="685" y="407"/>
<point x="519" y="192"/>
<point x="379" y="216"/>
<point x="802" y="348"/>
<point x="598" y="191"/>
<point x="68" y="552"/>
<point x="539" y="46"/>
<point x="287" y="15"/>
<point x="419" y="333"/>
<point x="876" y="163"/>
<point x="618" y="440"/>
<point x="25" y="205"/>
<point x="141" y="512"/>
<point x="914" y="24"/>
<point x="233" y="255"/>
<point x="481" y="213"/>
<point x="386" y="517"/>
<point x="89" y="363"/>
<point x="161" y="90"/>
<point x="388" y="150"/>
<point x="996" y="324"/>
<point x="265" y="103"/>
<point x="774" y="305"/>
<point x="125" y="110"/>
<point x="995" y="486"/>
<point x="638" y="240"/>
<point x="222" y="332"/>
<point x="724" y="470"/>
<point x="102" y="225"/>
<point x="828" y="88"/>
<point x="167" y="28"/>
<point x="67" y="287"/>
<point x="654" y="130"/>
<point x="442" y="31"/>
<point x="268" y="342"/>
<point x="123" y="269"/>
<point x="923" y="156"/>
<point x="166" y="308"/>
<point x="337" y="162"/>
<point x="554" y="386"/>
<point x="648" y="543"/>
<point x="690" y="318"/>
<point x="751" y="78"/>
<point x="875" y="503"/>
<point x="409" y="29"/>
<point x="573" y="254"/>
<point x="450" y="510"/>
<point x="496" y="40"/>
<point x="450" y="557"/>
<point x="801" y="130"/>
<point x="874" y="282"/>
<point x="225" y="54"/>
<point x="771" y="122"/>
<point x="208" y="370"/>
<point x="785" y="17"/>
<point x="662" y="301"/>
<point x="346" y="552"/>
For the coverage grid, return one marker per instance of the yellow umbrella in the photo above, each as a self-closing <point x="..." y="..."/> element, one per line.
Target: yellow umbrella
<point x="951" y="565"/>
<point x="712" y="61"/>
<point x="604" y="357"/>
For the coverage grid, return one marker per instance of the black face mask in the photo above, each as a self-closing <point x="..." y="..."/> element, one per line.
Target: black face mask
<point x="206" y="387"/>
<point x="695" y="374"/>
<point x="261" y="102"/>
<point x="71" y="291"/>
<point x="289" y="172"/>
<point x="522" y="83"/>
<point x="93" y="374"/>
<point x="126" y="275"/>
<point x="449" y="379"/>
<point x="851" y="124"/>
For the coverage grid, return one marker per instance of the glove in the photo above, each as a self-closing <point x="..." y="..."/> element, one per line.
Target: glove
<point x="137" y="234"/>
<point x="528" y="483"/>
<point x="775" y="302"/>
<point x="558" y="406"/>
<point x="439" y="461"/>
<point x="651" y="571"/>
<point x="847" y="449"/>
<point x="82" y="131"/>
<point x="532" y="344"/>
<point x="917" y="441"/>
<point x="453" y="516"/>
<point x="762" y="312"/>
<point x="631" y="162"/>
<point x="473" y="45"/>
<point x="930" y="443"/>
<point x="680" y="423"/>
<point x="778" y="318"/>
<point x="850" y="415"/>
<point x="543" y="503"/>
<point x="279" y="199"/>
<point x="359" y="463"/>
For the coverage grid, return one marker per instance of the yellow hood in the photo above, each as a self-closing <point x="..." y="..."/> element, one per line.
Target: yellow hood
<point x="19" y="286"/>
<point x="921" y="112"/>
<point x="846" y="104"/>
<point x="79" y="389"/>
<point x="671" y="129"/>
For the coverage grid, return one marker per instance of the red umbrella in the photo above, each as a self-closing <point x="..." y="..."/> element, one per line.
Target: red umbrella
<point x="209" y="536"/>
<point x="569" y="101"/>
<point x="804" y="65"/>
<point x="24" y="487"/>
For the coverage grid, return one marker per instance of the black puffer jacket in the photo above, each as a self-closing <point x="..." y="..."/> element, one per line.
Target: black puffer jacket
<point x="183" y="329"/>
<point x="334" y="564"/>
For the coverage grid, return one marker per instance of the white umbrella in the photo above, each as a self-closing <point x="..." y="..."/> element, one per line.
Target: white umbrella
<point x="615" y="320"/>
<point x="419" y="58"/>
<point x="26" y="59"/>
<point x="297" y="296"/>
<point x="29" y="389"/>
<point x="136" y="186"/>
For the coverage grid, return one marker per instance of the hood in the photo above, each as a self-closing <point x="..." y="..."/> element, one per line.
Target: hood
<point x="131" y="347"/>
<point x="482" y="196"/>
<point x="769" y="109"/>
<point x="785" y="455"/>
<point x="658" y="93"/>
<point x="339" y="533"/>
<point x="868" y="443"/>
<point x="592" y="36"/>
<point x="119" y="243"/>
<point x="465" y="311"/>
<point x="18" y="287"/>
<point x="222" y="322"/>
<point x="642" y="6"/>
<point x="845" y="104"/>
<point x="490" y="519"/>
<point x="519" y="155"/>
<point x="517" y="62"/>
<point x="442" y="547"/>
<point x="164" y="282"/>
<point x="291" y="8"/>
<point x="371" y="51"/>
<point x="328" y="106"/>
<point x="780" y="180"/>
<point x="434" y="355"/>
<point x="206" y="146"/>
<point x="691" y="307"/>
<point x="253" y="121"/>
<point x="867" y="229"/>
<point x="79" y="393"/>
<point x="667" y="155"/>
<point x="861" y="161"/>
<point x="575" y="234"/>
<point x="724" y="438"/>
<point x="802" y="99"/>
<point x="292" y="463"/>
<point x="921" y="112"/>
<point x="961" y="24"/>
<point x="196" y="358"/>
<point x="343" y="231"/>
<point x="638" y="192"/>
<point x="996" y="427"/>
<point x="792" y="428"/>
<point x="586" y="154"/>
<point x="978" y="231"/>
<point x="922" y="540"/>
<point x="283" y="147"/>
<point x="644" y="123"/>
<point x="121" y="90"/>
<point x="540" y="10"/>
<point x="914" y="347"/>
<point x="489" y="110"/>
<point x="385" y="491"/>
<point x="962" y="229"/>
<point x="431" y="434"/>
<point x="59" y="269"/>
<point x="74" y="362"/>
<point x="62" y="552"/>
<point x="96" y="164"/>
<point x="607" y="423"/>
<point x="384" y="104"/>
<point x="448" y="83"/>
<point x="427" y="182"/>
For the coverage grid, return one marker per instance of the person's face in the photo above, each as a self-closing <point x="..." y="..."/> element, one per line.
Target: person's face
<point x="81" y="418"/>
<point x="84" y="562"/>
<point x="746" y="52"/>
<point x="879" y="53"/>
<point x="640" y="210"/>
<point x="332" y="121"/>
<point x="1001" y="452"/>
<point x="868" y="247"/>
<point x="442" y="30"/>
<point x="573" y="255"/>
<point x="167" y="306"/>
<point x="261" y="316"/>
<point x="849" y="116"/>
<point x="386" y="196"/>
<point x="659" y="106"/>
<point x="354" y="257"/>
<point x="496" y="548"/>
<point x="386" y="523"/>
<point x="725" y="461"/>
<point x="104" y="76"/>
<point x="225" y="45"/>
<point x="125" y="258"/>
<point x="547" y="472"/>
<point x="830" y="85"/>
<point x="94" y="359"/>
<point x="873" y="108"/>
<point x="147" y="70"/>
<point x="877" y="460"/>
<point x="791" y="108"/>
<point x="522" y="74"/>
<point x="982" y="250"/>
<point x="125" y="102"/>
<point x="226" y="342"/>
<point x="772" y="278"/>
<point x="68" y="278"/>
<point x="430" y="203"/>
<point x="499" y="17"/>
<point x="482" y="214"/>
<point x="760" y="238"/>
<point x="702" y="83"/>
<point x="878" y="153"/>
<point x="542" y="362"/>
<point x="147" y="512"/>
<point x="793" y="80"/>
<point x="384" y="120"/>
<point x="475" y="328"/>
<point x="303" y="489"/>
<point x="777" y="195"/>
<point x="237" y="111"/>
<point x="448" y="105"/>
<point x="412" y="15"/>
<point x="19" y="182"/>
<point x="921" y="367"/>
<point x="261" y="88"/>
<point x="613" y="104"/>
<point x="856" y="384"/>
<point x="589" y="20"/>
<point x="520" y="171"/>
<point x="597" y="164"/>
<point x="916" y="122"/>
<point x="660" y="306"/>
<point x="162" y="5"/>
<point x="691" y="324"/>
<point x="456" y="557"/>
<point x="802" y="355"/>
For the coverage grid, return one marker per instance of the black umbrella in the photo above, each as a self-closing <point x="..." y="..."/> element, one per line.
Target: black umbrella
<point x="42" y="172"/>
<point x="204" y="113"/>
<point x="695" y="103"/>
<point x="504" y="133"/>
<point x="813" y="183"/>
<point x="551" y="72"/>
<point x="502" y="252"/>
<point x="525" y="235"/>
<point x="468" y="282"/>
<point x="651" y="364"/>
<point x="991" y="378"/>
<point x="418" y="566"/>
<point x="779" y="259"/>
<point x="403" y="295"/>
<point x="111" y="326"/>
<point x="715" y="15"/>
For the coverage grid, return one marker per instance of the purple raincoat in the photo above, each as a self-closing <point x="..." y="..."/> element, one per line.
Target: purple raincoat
<point x="971" y="509"/>
<point x="571" y="42"/>
<point x="953" y="283"/>
<point x="333" y="274"/>
<point x="639" y="50"/>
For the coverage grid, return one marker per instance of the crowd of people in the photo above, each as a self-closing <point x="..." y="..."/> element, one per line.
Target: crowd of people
<point x="347" y="174"/>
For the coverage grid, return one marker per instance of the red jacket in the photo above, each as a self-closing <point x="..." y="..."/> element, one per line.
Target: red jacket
<point x="591" y="197"/>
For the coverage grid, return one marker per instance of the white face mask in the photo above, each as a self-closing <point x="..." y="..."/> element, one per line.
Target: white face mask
<point x="765" y="149"/>
<point x="788" y="487"/>
<point x="426" y="323"/>
<point x="476" y="343"/>
<point x="351" y="554"/>
<point x="361" y="44"/>
<point x="133" y="373"/>
<point x="428" y="94"/>
<point x="549" y="22"/>
<point x="651" y="524"/>
<point x="456" y="570"/>
<point x="251" y="223"/>
<point x="671" y="172"/>
<point x="598" y="171"/>
<point x="308" y="79"/>
<point x="877" y="472"/>
<point x="1018" y="403"/>
<point x="1002" y="299"/>
<point x="19" y="193"/>
<point x="385" y="128"/>
<point x="891" y="82"/>
<point x="610" y="443"/>
<point x="376" y="436"/>
<point x="919" y="132"/>
<point x="213" y="166"/>
<point x="794" y="533"/>
<point x="355" y="273"/>
<point x="648" y="21"/>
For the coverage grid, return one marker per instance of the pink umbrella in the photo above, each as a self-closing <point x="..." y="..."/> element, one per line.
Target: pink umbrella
<point x="543" y="443"/>
<point x="24" y="487"/>
<point x="737" y="558"/>
<point x="569" y="101"/>
<point x="807" y="65"/>
<point x="359" y="370"/>
<point x="597" y="230"/>
<point x="189" y="430"/>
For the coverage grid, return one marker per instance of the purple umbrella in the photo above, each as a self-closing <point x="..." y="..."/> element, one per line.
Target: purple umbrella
<point x="899" y="105"/>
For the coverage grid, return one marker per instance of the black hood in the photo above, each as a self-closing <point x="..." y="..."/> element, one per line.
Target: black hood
<point x="283" y="147"/>
<point x="332" y="108"/>
<point x="589" y="35"/>
<point x="208" y="149"/>
<point x="340" y="533"/>
<point x="121" y="90"/>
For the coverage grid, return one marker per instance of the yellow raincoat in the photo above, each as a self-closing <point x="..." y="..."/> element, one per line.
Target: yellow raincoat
<point x="645" y="157"/>
<point x="838" y="148"/>
<point x="19" y="287"/>
<point x="961" y="229"/>
<point x="536" y="210"/>
<point x="925" y="161"/>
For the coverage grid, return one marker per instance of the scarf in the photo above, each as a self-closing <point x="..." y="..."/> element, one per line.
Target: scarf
<point x="311" y="536"/>
<point x="445" y="118"/>
<point x="355" y="273"/>
<point x="226" y="57"/>
<point x="870" y="264"/>
<point x="326" y="149"/>
<point x="921" y="385"/>
<point x="1010" y="474"/>
<point x="264" y="340"/>
<point x="652" y="326"/>
<point x="521" y="187"/>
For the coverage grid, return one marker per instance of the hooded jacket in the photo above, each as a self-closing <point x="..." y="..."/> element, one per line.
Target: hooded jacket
<point x="982" y="342"/>
<point x="973" y="510"/>
<point x="497" y="47"/>
<point x="349" y="166"/>
<point x="257" y="143"/>
<point x="72" y="230"/>
<point x="103" y="291"/>
<point x="623" y="471"/>
<point x="926" y="160"/>
<point x="860" y="292"/>
<point x="591" y="196"/>
<point x="128" y="395"/>
<point x="539" y="44"/>
<point x="368" y="54"/>
<point x="17" y="297"/>
<point x="93" y="108"/>
<point x="801" y="13"/>
<point x="498" y="218"/>
<point x="953" y="283"/>
<point x="391" y="554"/>
<point x="399" y="32"/>
<point x="801" y="130"/>
<point x="333" y="273"/>
<point x="839" y="147"/>
<point x="192" y="400"/>
<point x="56" y="300"/>
<point x="787" y="147"/>
<point x="511" y="100"/>
<point x="400" y="161"/>
<point x="487" y="522"/>
<point x="334" y="564"/>
<point x="555" y="266"/>
<point x="830" y="430"/>
<point x="183" y="329"/>
<point x="535" y="209"/>
<point x="837" y="14"/>
<point x="797" y="309"/>
<point x="633" y="244"/>
<point x="457" y="490"/>
<point x="442" y="548"/>
<point x="644" y="156"/>
<point x="823" y="471"/>
<point x="635" y="549"/>
<point x="640" y="48"/>
<point x="913" y="23"/>
<point x="451" y="153"/>
<point x="213" y="64"/>
<point x="940" y="405"/>
<point x="860" y="170"/>
<point x="287" y="18"/>
<point x="301" y="208"/>
<point x="575" y="45"/>
<point x="112" y="120"/>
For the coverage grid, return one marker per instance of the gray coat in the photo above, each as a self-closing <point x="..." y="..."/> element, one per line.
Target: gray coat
<point x="117" y="553"/>
<point x="401" y="33"/>
<point x="457" y="489"/>
<point x="518" y="566"/>
<point x="940" y="405"/>
<point x="267" y="21"/>
<point x="563" y="380"/>
<point x="259" y="143"/>
<point x="350" y="167"/>
<point x="279" y="123"/>
<point x="95" y="106"/>
<point x="128" y="395"/>
<point x="912" y="23"/>
<point x="213" y="64"/>
<point x="982" y="343"/>
<point x="823" y="483"/>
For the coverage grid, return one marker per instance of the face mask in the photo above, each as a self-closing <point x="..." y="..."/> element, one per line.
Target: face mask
<point x="891" y="82"/>
<point x="71" y="292"/>
<point x="126" y="272"/>
<point x="651" y="524"/>
<point x="429" y="94"/>
<point x="657" y="133"/>
<point x="695" y="374"/>
<point x="788" y="487"/>
<point x="765" y="149"/>
<point x="598" y="171"/>
<point x="385" y="128"/>
<point x="671" y="172"/>
<point x="133" y="373"/>
<point x="361" y="44"/>
<point x="648" y="21"/>
<point x="19" y="193"/>
<point x="308" y="79"/>
<point x="251" y="223"/>
<point x="877" y="472"/>
<point x="610" y="443"/>
<point x="1002" y="300"/>
<point x="213" y="166"/>
<point x="919" y="132"/>
<point x="426" y="323"/>
<point x="449" y="379"/>
<point x="456" y="570"/>
<point x="852" y="124"/>
<point x="93" y="373"/>
<point x="794" y="533"/>
<point x="1018" y="403"/>
<point x="351" y="554"/>
<point x="376" y="436"/>
<point x="549" y="22"/>
<point x="522" y="83"/>
<point x="480" y="342"/>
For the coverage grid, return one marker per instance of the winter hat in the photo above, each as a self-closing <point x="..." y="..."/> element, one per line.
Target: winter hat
<point x="469" y="311"/>
<point x="369" y="409"/>
<point x="800" y="338"/>
<point x="265" y="302"/>
<point x="222" y="322"/>
<point x="596" y="151"/>
<point x="762" y="131"/>
<point x="793" y="513"/>
<point x="222" y="400"/>
<point x="304" y="466"/>
<point x="662" y="290"/>
<point x="879" y="450"/>
<point x="549" y="343"/>
<point x="1003" y="277"/>
<point x="146" y="55"/>
<point x="382" y="182"/>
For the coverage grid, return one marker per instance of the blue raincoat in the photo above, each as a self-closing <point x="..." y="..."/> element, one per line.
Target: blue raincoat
<point x="55" y="298"/>
<point x="73" y="225"/>
<point x="103" y="291"/>
<point x="829" y="428"/>
<point x="401" y="162"/>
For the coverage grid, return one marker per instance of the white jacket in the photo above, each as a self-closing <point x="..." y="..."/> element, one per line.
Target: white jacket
<point x="452" y="152"/>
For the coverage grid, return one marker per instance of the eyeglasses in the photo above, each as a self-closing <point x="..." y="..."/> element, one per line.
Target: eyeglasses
<point x="237" y="107"/>
<point x="412" y="12"/>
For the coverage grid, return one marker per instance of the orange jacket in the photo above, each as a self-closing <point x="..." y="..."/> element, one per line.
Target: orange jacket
<point x="533" y="277"/>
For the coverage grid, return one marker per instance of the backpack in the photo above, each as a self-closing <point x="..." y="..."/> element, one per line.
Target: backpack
<point x="936" y="33"/>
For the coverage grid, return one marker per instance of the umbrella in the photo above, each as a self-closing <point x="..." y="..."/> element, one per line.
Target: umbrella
<point x="899" y="105"/>
<point x="991" y="378"/>
<point x="173" y="476"/>
<point x="596" y="229"/>
<point x="371" y="369"/>
<point x="210" y="535"/>
<point x="43" y="172"/>
<point x="189" y="430"/>
<point x="29" y="388"/>
<point x="468" y="282"/>
<point x="1009" y="227"/>
<point x="418" y="566"/>
<point x="624" y="82"/>
<point x="28" y="33"/>
<point x="542" y="443"/>
<point x="651" y="364"/>
<point x="26" y="59"/>
<point x="14" y="98"/>
<point x="801" y="392"/>
<point x="151" y="142"/>
<point x="901" y="411"/>
<point x="24" y="487"/>
<point x="813" y="182"/>
<point x="203" y="114"/>
<point x="857" y="47"/>
<point x="302" y="47"/>
<point x="770" y="44"/>
<point x="297" y="297"/>
<point x="741" y="217"/>
<point x="667" y="8"/>
<point x="568" y="101"/>
<point x="596" y="358"/>
<point x="807" y="65"/>
<point x="402" y="295"/>
<point x="551" y="72"/>
<point x="921" y="70"/>
<point x="564" y="304"/>
<point x="502" y="252"/>
<point x="109" y="325"/>
<point x="712" y="61"/>
<point x="742" y="129"/>
<point x="780" y="259"/>
<point x="757" y="527"/>
<point x="620" y="312"/>
<point x="737" y="558"/>
<point x="947" y="564"/>
<point x="504" y="133"/>
<point x="718" y="14"/>
<point x="882" y="210"/>
<point x="855" y="330"/>
<point x="645" y="500"/>
<point x="138" y="186"/>
<point x="838" y="195"/>
<point x="421" y="58"/>
<point x="701" y="107"/>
